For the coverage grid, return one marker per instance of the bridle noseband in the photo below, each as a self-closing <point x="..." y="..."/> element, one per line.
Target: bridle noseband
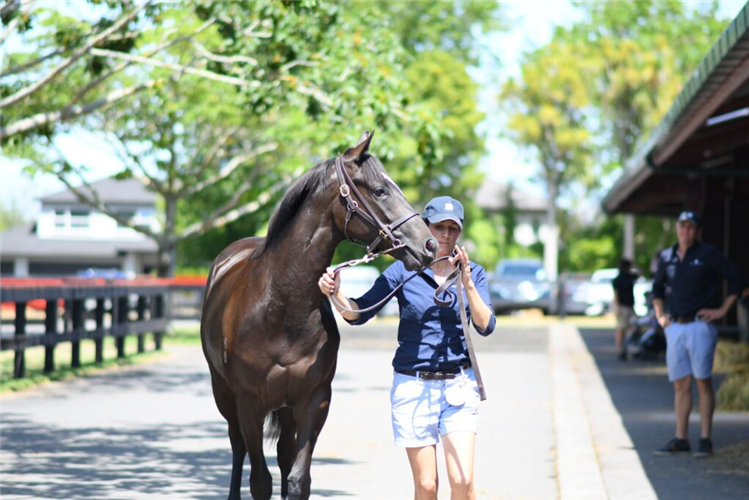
<point x="359" y="206"/>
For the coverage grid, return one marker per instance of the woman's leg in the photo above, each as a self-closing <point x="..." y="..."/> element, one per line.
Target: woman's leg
<point x="459" y="453"/>
<point x="423" y="462"/>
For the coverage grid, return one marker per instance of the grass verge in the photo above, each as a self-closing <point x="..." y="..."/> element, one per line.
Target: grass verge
<point x="34" y="361"/>
<point x="34" y="358"/>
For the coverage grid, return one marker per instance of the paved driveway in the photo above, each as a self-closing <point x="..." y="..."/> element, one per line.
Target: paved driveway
<point x="153" y="431"/>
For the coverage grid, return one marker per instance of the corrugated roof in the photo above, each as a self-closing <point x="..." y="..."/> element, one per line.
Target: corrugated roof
<point x="111" y="191"/>
<point x="717" y="67"/>
<point x="22" y="242"/>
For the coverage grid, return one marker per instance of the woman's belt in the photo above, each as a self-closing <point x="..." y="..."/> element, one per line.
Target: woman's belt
<point x="440" y="375"/>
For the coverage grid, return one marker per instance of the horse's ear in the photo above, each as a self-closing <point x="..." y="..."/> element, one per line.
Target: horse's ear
<point x="361" y="148"/>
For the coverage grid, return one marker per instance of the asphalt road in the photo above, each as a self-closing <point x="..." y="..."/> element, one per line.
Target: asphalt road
<point x="562" y="420"/>
<point x="152" y="431"/>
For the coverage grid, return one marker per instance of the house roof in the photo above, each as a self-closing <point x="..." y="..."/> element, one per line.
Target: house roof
<point x="22" y="241"/>
<point x="110" y="191"/>
<point x="703" y="133"/>
<point x="492" y="196"/>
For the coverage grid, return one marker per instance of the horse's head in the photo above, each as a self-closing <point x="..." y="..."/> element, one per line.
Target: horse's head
<point x="374" y="210"/>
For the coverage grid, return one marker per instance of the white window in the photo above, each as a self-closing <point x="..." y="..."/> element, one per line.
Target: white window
<point x="79" y="218"/>
<point x="61" y="219"/>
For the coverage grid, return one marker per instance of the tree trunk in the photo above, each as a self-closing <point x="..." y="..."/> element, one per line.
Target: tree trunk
<point x="166" y="267"/>
<point x="551" y="242"/>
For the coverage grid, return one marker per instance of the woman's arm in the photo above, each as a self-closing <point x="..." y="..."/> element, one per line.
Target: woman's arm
<point x="481" y="314"/>
<point x="330" y="284"/>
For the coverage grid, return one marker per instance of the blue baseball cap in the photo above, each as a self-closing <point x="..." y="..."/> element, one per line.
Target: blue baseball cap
<point x="690" y="217"/>
<point x="443" y="208"/>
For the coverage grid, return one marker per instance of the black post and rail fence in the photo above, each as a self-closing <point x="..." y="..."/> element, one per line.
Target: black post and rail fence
<point x="51" y="312"/>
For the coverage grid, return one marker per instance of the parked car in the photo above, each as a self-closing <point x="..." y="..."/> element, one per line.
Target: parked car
<point x="571" y="294"/>
<point x="356" y="281"/>
<point x="598" y="293"/>
<point x="519" y="284"/>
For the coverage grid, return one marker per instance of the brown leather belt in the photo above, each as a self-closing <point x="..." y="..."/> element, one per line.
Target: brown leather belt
<point x="683" y="320"/>
<point x="443" y="375"/>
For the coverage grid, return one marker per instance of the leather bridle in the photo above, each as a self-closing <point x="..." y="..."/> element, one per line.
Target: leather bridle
<point x="360" y="207"/>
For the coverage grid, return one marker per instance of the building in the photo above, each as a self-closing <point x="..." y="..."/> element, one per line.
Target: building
<point x="698" y="157"/>
<point x="530" y="211"/>
<point x="69" y="237"/>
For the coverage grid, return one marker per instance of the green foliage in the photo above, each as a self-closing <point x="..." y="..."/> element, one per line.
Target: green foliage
<point x="635" y="70"/>
<point x="10" y="216"/>
<point x="587" y="247"/>
<point x="586" y="100"/>
<point x="548" y="107"/>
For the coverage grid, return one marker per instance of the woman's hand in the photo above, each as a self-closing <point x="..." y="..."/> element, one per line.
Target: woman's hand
<point x="329" y="282"/>
<point x="461" y="257"/>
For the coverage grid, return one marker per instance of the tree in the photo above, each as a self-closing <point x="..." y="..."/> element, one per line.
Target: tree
<point x="218" y="85"/>
<point x="637" y="70"/>
<point x="10" y="216"/>
<point x="548" y="117"/>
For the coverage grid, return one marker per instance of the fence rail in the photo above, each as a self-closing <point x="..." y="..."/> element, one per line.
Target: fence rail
<point x="79" y="309"/>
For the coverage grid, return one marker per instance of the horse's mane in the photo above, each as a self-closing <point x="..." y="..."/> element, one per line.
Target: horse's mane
<point x="311" y="182"/>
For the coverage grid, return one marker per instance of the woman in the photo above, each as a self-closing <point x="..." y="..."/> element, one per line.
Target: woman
<point x="434" y="392"/>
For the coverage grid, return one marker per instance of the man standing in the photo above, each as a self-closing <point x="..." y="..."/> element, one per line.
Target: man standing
<point x="624" y="304"/>
<point x="689" y="279"/>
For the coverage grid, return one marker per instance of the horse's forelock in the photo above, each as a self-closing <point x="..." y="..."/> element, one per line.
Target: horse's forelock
<point x="373" y="171"/>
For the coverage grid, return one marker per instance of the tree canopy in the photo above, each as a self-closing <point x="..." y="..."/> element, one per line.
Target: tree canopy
<point x="218" y="106"/>
<point x="608" y="79"/>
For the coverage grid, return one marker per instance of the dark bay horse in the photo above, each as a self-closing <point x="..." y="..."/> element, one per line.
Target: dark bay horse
<point x="269" y="334"/>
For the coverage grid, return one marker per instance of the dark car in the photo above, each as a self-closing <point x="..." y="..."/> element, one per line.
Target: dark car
<point x="519" y="284"/>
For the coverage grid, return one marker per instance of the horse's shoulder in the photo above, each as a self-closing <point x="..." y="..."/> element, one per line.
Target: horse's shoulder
<point x="233" y="255"/>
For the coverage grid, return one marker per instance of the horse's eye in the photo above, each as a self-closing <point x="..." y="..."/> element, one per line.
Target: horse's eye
<point x="380" y="192"/>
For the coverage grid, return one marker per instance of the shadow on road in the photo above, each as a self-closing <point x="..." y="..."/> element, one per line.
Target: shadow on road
<point x="167" y="461"/>
<point x="643" y="396"/>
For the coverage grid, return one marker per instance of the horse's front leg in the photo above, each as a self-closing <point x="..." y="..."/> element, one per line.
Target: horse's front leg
<point x="251" y="422"/>
<point x="310" y="417"/>
<point x="286" y="447"/>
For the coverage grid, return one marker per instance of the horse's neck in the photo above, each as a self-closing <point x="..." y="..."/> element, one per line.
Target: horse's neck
<point x="304" y="253"/>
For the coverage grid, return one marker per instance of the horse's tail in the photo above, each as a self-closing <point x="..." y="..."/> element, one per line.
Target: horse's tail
<point x="272" y="426"/>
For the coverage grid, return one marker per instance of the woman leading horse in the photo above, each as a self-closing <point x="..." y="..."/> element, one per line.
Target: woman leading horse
<point x="269" y="334"/>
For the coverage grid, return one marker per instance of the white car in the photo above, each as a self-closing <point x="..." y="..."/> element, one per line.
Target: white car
<point x="356" y="281"/>
<point x="599" y="293"/>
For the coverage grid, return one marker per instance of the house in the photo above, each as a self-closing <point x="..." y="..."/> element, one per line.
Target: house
<point x="530" y="211"/>
<point x="69" y="237"/>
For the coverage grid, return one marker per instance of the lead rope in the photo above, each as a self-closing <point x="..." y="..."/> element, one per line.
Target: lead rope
<point x="367" y="258"/>
<point x="455" y="276"/>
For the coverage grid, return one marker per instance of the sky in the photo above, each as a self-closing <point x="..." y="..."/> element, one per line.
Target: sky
<point x="532" y="23"/>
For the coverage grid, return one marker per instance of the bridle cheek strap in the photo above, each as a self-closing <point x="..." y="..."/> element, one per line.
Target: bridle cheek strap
<point x="359" y="206"/>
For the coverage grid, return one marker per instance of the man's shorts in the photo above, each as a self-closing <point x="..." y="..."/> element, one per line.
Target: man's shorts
<point x="424" y="410"/>
<point x="690" y="349"/>
<point x="624" y="315"/>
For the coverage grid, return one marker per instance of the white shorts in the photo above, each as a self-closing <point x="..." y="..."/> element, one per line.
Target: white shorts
<point x="690" y="349"/>
<point x="424" y="410"/>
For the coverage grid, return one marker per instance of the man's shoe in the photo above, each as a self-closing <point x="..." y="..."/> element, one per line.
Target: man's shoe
<point x="705" y="449"/>
<point x="622" y="356"/>
<point x="676" y="445"/>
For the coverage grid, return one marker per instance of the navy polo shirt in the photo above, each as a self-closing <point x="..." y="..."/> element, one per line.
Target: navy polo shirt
<point x="430" y="337"/>
<point x="693" y="283"/>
